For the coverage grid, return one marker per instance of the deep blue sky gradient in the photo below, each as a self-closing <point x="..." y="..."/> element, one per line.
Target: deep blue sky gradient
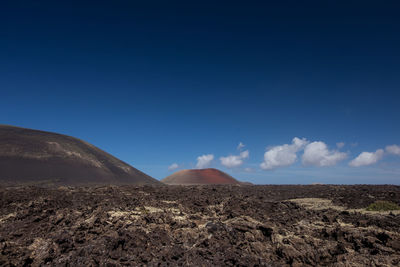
<point x="162" y="81"/>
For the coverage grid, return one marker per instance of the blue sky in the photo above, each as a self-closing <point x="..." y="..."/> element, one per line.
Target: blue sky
<point x="167" y="82"/>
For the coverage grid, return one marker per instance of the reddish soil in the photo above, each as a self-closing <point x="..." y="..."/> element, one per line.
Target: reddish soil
<point x="199" y="177"/>
<point x="197" y="226"/>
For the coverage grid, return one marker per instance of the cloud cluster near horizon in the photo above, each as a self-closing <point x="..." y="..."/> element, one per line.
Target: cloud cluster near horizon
<point x="316" y="153"/>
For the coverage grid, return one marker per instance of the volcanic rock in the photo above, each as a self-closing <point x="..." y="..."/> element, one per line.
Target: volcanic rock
<point x="199" y="177"/>
<point x="273" y="225"/>
<point x="36" y="157"/>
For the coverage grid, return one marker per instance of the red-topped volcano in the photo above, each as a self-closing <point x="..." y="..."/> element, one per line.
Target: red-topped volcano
<point x="199" y="177"/>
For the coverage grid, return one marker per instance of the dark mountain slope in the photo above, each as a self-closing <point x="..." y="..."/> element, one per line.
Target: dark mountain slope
<point x="35" y="156"/>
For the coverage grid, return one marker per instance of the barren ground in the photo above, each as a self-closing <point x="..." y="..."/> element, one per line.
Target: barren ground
<point x="198" y="226"/>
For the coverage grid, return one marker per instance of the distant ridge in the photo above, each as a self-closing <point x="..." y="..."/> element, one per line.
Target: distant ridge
<point x="200" y="177"/>
<point x="33" y="156"/>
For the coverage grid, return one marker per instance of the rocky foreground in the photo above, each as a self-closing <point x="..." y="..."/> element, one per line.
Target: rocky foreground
<point x="198" y="226"/>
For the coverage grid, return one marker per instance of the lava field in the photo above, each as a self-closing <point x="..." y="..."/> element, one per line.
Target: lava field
<point x="314" y="225"/>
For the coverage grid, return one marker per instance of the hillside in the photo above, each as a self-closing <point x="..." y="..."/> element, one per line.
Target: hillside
<point x="32" y="156"/>
<point x="199" y="176"/>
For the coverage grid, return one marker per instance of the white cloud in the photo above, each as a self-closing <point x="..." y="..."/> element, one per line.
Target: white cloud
<point x="233" y="161"/>
<point x="173" y="166"/>
<point x="367" y="158"/>
<point x="240" y="146"/>
<point x="318" y="154"/>
<point x="393" y="149"/>
<point x="204" y="161"/>
<point x="284" y="155"/>
<point x="340" y="145"/>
